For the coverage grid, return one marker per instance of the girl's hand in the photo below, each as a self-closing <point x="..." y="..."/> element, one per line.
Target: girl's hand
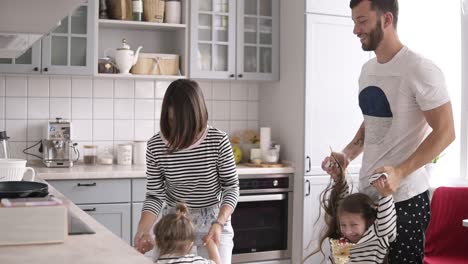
<point x="143" y="242"/>
<point x="214" y="234"/>
<point x="213" y="252"/>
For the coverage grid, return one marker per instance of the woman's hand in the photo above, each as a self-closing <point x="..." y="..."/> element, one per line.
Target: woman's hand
<point x="214" y="234"/>
<point x="143" y="242"/>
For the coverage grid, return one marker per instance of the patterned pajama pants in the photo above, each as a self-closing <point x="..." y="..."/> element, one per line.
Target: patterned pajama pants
<point x="412" y="220"/>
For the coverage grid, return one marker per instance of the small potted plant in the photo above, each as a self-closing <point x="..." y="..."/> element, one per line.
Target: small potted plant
<point x="431" y="167"/>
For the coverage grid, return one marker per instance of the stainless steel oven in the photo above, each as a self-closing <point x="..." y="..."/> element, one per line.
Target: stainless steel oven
<point x="262" y="218"/>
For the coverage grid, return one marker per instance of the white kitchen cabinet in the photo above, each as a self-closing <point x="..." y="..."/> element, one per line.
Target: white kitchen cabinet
<point x="234" y="39"/>
<point x="333" y="63"/>
<point x="68" y="49"/>
<point x="329" y="7"/>
<point x="115" y="217"/>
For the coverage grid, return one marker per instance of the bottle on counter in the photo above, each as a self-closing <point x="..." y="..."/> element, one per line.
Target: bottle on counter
<point x="137" y="6"/>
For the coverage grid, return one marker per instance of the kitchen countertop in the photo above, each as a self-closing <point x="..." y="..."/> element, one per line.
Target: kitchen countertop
<point x="81" y="171"/>
<point x="102" y="247"/>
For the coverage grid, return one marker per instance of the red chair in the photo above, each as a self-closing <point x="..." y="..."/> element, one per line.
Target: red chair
<point x="446" y="237"/>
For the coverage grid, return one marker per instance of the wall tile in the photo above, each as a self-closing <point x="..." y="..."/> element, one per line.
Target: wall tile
<point x="16" y="150"/>
<point x="82" y="87"/>
<point x="253" y="125"/>
<point x="222" y="125"/>
<point x="38" y="108"/>
<point x="103" y="109"/>
<point x="16" y="108"/>
<point x="103" y="130"/>
<point x="16" y="86"/>
<point x="2" y="107"/>
<point x="144" y="129"/>
<point x="239" y="91"/>
<point x="253" y="91"/>
<point x="207" y="89"/>
<point x="209" y="108"/>
<point x="16" y="129"/>
<point x="238" y="110"/>
<point x="252" y="111"/>
<point x="60" y="107"/>
<point x="124" y="88"/>
<point x="82" y="130"/>
<point x="221" y="91"/>
<point x="2" y="125"/>
<point x="34" y="149"/>
<point x="157" y="109"/>
<point x="144" y="89"/>
<point x="60" y="87"/>
<point x="237" y="126"/>
<point x="103" y="88"/>
<point x="38" y="86"/>
<point x="144" y="109"/>
<point x="124" y="109"/>
<point x="2" y="86"/>
<point x="161" y="87"/>
<point x="123" y="130"/>
<point x="82" y="108"/>
<point x="221" y="110"/>
<point x="36" y="130"/>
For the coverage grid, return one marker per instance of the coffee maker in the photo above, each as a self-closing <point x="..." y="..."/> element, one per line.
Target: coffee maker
<point x="57" y="148"/>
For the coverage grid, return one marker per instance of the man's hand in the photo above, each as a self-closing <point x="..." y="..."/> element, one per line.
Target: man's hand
<point x="394" y="178"/>
<point x="334" y="164"/>
<point x="214" y="234"/>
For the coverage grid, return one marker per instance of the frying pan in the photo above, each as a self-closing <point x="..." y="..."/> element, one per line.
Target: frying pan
<point x="23" y="189"/>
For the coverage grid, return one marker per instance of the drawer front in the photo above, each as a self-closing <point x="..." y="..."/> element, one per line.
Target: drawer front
<point x="94" y="191"/>
<point x="138" y="190"/>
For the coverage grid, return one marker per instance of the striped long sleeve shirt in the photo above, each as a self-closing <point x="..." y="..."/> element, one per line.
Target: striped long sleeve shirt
<point x="201" y="175"/>
<point x="374" y="244"/>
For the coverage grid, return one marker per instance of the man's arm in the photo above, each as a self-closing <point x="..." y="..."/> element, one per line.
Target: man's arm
<point x="353" y="149"/>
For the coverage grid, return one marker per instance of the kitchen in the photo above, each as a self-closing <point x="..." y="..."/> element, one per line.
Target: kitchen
<point x="107" y="111"/>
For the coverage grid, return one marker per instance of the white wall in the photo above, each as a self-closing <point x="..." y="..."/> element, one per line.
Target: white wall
<point x="108" y="112"/>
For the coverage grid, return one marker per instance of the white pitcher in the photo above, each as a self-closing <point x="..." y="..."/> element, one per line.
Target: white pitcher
<point x="14" y="170"/>
<point x="125" y="58"/>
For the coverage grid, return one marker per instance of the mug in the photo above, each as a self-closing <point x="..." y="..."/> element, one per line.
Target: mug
<point x="14" y="169"/>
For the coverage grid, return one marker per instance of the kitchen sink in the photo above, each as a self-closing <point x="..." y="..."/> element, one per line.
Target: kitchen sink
<point x="77" y="227"/>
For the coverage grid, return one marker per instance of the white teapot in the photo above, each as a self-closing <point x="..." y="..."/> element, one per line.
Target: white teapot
<point x="125" y="58"/>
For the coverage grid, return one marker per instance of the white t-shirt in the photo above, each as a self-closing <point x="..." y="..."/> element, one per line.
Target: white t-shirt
<point x="392" y="98"/>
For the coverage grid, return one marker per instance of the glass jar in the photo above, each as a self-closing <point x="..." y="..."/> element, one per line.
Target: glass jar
<point x="90" y="154"/>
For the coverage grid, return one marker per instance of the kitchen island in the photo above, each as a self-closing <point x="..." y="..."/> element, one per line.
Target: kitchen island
<point x="101" y="247"/>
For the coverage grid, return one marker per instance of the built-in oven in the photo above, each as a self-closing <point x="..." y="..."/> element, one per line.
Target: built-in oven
<point x="262" y="218"/>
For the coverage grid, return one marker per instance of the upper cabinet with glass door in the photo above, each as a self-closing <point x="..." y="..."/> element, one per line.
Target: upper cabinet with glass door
<point x="216" y="53"/>
<point x="68" y="49"/>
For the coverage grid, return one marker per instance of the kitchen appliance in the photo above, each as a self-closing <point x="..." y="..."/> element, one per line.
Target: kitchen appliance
<point x="261" y="219"/>
<point x="4" y="146"/>
<point x="57" y="147"/>
<point x="125" y="58"/>
<point x="14" y="170"/>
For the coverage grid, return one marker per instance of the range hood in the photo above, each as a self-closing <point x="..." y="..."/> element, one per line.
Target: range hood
<point x="23" y="22"/>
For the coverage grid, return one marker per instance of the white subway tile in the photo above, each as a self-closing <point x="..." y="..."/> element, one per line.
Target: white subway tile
<point x="2" y="86"/>
<point x="144" y="89"/>
<point x="103" y="130"/>
<point x="239" y="91"/>
<point x="221" y="91"/>
<point x="238" y="110"/>
<point x="253" y="91"/>
<point x="103" y="146"/>
<point x="144" y="129"/>
<point x="2" y="107"/>
<point x="252" y="111"/>
<point x="82" y="87"/>
<point x="144" y="109"/>
<point x="38" y="86"/>
<point x="123" y="130"/>
<point x="209" y="108"/>
<point x="82" y="108"/>
<point x="221" y="110"/>
<point x="253" y="125"/>
<point x="36" y="130"/>
<point x="157" y="109"/>
<point x="103" y="108"/>
<point x="38" y="108"/>
<point x="124" y="88"/>
<point x="237" y="126"/>
<point x="82" y="130"/>
<point x="16" y="86"/>
<point x="2" y="125"/>
<point x="16" y="129"/>
<point x="60" y="87"/>
<point x="207" y="89"/>
<point x="222" y="125"/>
<point x="16" y="150"/>
<point x="161" y="87"/>
<point x="16" y="108"/>
<point x="103" y="88"/>
<point x="123" y="109"/>
<point x="60" y="107"/>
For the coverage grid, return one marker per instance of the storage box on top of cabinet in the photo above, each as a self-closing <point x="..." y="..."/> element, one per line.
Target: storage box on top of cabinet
<point x="157" y="64"/>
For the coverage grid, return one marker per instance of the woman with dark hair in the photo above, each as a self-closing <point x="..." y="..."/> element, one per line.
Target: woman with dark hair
<point x="190" y="162"/>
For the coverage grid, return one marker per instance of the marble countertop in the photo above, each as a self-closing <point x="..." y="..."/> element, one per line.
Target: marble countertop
<point x="102" y="247"/>
<point x="81" y="171"/>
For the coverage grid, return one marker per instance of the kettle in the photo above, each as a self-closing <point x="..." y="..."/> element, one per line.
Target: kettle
<point x="125" y="58"/>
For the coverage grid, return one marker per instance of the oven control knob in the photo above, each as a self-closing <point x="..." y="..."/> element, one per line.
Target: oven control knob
<point x="275" y="183"/>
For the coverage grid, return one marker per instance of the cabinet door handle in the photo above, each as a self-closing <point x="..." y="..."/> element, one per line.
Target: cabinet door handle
<point x="36" y="69"/>
<point x="90" y="209"/>
<point x="240" y="75"/>
<point x="308" y="188"/>
<point x="86" y="184"/>
<point x="231" y="75"/>
<point x="46" y="69"/>
<point x="309" y="168"/>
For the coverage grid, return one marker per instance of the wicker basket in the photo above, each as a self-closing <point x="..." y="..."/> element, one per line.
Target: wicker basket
<point x="153" y="10"/>
<point x="157" y="64"/>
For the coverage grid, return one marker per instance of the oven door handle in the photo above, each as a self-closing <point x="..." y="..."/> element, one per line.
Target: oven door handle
<point x="262" y="198"/>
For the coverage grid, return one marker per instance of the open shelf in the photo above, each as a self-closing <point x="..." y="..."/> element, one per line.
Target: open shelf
<point x="126" y="24"/>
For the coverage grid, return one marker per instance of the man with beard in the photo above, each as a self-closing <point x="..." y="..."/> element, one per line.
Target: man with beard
<point x="407" y="122"/>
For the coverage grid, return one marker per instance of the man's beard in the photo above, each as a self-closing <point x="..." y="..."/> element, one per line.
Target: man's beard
<point x="374" y="37"/>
